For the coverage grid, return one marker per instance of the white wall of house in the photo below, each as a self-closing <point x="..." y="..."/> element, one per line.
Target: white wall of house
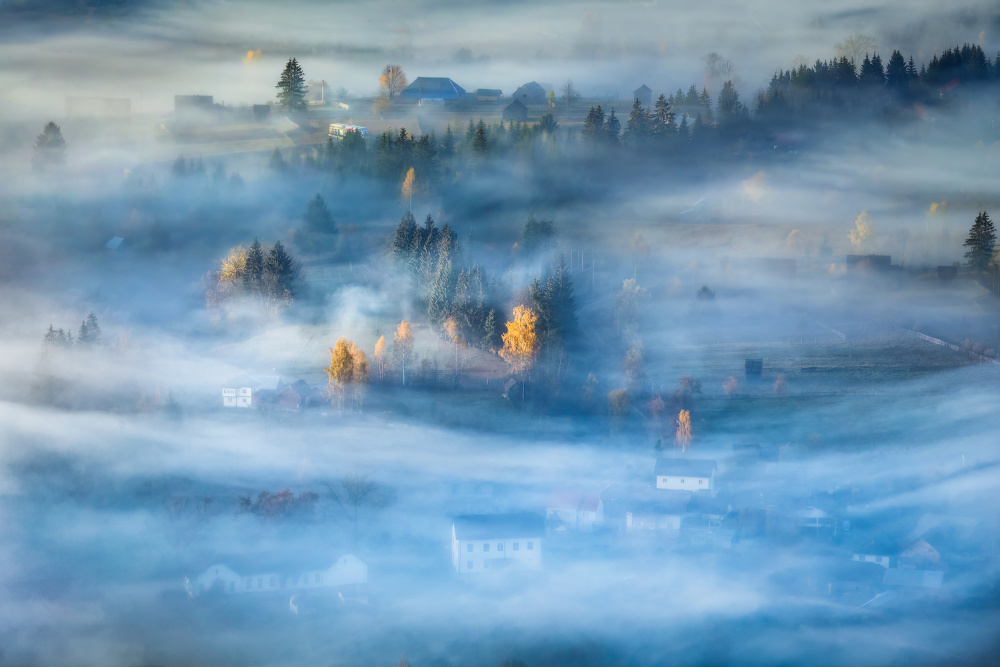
<point x="678" y="483"/>
<point x="347" y="570"/>
<point x="474" y="556"/>
<point x="237" y="397"/>
<point x="667" y="524"/>
<point x="872" y="558"/>
<point x="582" y="520"/>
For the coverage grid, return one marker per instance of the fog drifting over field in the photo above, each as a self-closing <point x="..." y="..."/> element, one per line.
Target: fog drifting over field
<point x="109" y="499"/>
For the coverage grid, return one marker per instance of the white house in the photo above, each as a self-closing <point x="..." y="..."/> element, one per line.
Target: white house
<point x="347" y="570"/>
<point x="685" y="474"/>
<point x="573" y="510"/>
<point x="486" y="542"/>
<point x="657" y="512"/>
<point x="245" y="391"/>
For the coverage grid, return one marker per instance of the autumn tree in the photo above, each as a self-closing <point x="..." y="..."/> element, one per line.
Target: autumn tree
<point x="50" y="147"/>
<point x="731" y="386"/>
<point x="981" y="242"/>
<point x="683" y="434"/>
<point x="520" y="343"/>
<point x="341" y="370"/>
<point x="392" y="80"/>
<point x="292" y="87"/>
<point x="855" y="45"/>
<point x="619" y="403"/>
<point x="380" y="357"/>
<point x="863" y="235"/>
<point x="402" y="345"/>
<point x="408" y="184"/>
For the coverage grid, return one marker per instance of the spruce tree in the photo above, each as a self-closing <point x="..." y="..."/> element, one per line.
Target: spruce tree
<point x="488" y="341"/>
<point x="637" y="126"/>
<point x="318" y="224"/>
<point x="253" y="274"/>
<point x="613" y="129"/>
<point x="291" y="87"/>
<point x="280" y="272"/>
<point x="481" y="142"/>
<point x="562" y="305"/>
<point x="50" y="147"/>
<point x="664" y="127"/>
<point x="981" y="242"/>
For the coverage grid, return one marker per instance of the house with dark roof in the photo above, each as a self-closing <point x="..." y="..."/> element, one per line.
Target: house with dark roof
<point x="489" y="542"/>
<point x="644" y="94"/>
<point x="432" y="88"/>
<point x="659" y="512"/>
<point x="515" y="111"/>
<point x="570" y="509"/>
<point x="488" y="94"/>
<point x="531" y="93"/>
<point x="298" y="395"/>
<point x="685" y="474"/>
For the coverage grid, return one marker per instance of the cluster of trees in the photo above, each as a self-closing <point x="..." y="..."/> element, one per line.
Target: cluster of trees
<point x="281" y="505"/>
<point x="840" y="83"/>
<point x="318" y="232"/>
<point x="348" y="368"/>
<point x="89" y="335"/>
<point x="982" y="242"/>
<point x="269" y="277"/>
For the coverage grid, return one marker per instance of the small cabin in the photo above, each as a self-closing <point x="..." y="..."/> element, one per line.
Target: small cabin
<point x="678" y="474"/>
<point x="644" y="94"/>
<point x="515" y="111"/>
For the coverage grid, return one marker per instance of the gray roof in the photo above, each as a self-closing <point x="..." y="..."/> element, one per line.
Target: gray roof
<point x="643" y="87"/>
<point x="685" y="467"/>
<point x="489" y="91"/>
<point x="432" y="86"/>
<point x="498" y="526"/>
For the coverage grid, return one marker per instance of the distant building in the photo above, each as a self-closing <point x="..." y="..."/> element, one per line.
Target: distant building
<point x="348" y="570"/>
<point x="247" y="392"/>
<point x="515" y="111"/>
<point x="432" y="89"/>
<point x="98" y="107"/>
<point x="644" y="94"/>
<point x="574" y="510"/>
<point x="297" y="396"/>
<point x="869" y="263"/>
<point x="754" y="370"/>
<point x="685" y="474"/>
<point x="488" y="94"/>
<point x="531" y="93"/>
<point x="487" y="542"/>
<point x="193" y="108"/>
<point x="261" y="112"/>
<point x="660" y="513"/>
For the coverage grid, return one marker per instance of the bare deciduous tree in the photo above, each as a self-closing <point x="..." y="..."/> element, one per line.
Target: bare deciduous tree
<point x="855" y="46"/>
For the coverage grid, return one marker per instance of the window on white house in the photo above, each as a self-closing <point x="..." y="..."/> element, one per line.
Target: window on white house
<point x="699" y="481"/>
<point x="319" y="579"/>
<point x="486" y="547"/>
<point x="499" y="546"/>
<point x="531" y="545"/>
<point x="682" y="481"/>
<point x="273" y="582"/>
<point x="517" y="546"/>
<point x="469" y="548"/>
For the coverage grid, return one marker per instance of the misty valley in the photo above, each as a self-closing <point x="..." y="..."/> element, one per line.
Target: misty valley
<point x="609" y="335"/>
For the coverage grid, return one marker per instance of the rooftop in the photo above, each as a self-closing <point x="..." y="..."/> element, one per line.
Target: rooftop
<point x="493" y="526"/>
<point x="685" y="467"/>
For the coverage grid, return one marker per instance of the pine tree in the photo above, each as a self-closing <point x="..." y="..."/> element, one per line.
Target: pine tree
<point x="613" y="129"/>
<point x="637" y="126"/>
<point x="981" y="242"/>
<point x="481" y="142"/>
<point x="897" y="73"/>
<point x="50" y="147"/>
<point x="664" y="127"/>
<point x="281" y="272"/>
<point x="562" y="322"/>
<point x="448" y="144"/>
<point x="317" y="218"/>
<point x="730" y="107"/>
<point x="253" y="273"/>
<point x="277" y="162"/>
<point x="291" y="87"/>
<point x="489" y="339"/>
<point x="90" y="332"/>
<point x="593" y="125"/>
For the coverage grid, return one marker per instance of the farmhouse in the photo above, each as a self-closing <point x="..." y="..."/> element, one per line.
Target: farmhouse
<point x="488" y="94"/>
<point x="644" y="94"/>
<point x="657" y="512"/>
<point x="515" y="111"/>
<point x="247" y="392"/>
<point x="574" y="510"/>
<point x="531" y="93"/>
<point x="347" y="571"/>
<point x="685" y="474"/>
<point x="487" y="542"/>
<point x="432" y="89"/>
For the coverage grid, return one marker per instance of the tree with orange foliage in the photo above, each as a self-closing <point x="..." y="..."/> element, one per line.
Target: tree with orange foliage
<point x="380" y="358"/>
<point x="683" y="434"/>
<point x="731" y="386"/>
<point x="402" y="345"/>
<point x="393" y="79"/>
<point x="408" y="184"/>
<point x="340" y="372"/>
<point x="520" y="343"/>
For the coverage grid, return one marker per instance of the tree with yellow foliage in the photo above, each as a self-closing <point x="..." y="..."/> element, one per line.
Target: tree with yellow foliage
<point x="683" y="434"/>
<point x="392" y="80"/>
<point x="234" y="265"/>
<point x="619" y="403"/>
<point x="863" y="235"/>
<point x="380" y="358"/>
<point x="340" y="372"/>
<point x="359" y="373"/>
<point x="520" y="343"/>
<point x="402" y="345"/>
<point x="408" y="184"/>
